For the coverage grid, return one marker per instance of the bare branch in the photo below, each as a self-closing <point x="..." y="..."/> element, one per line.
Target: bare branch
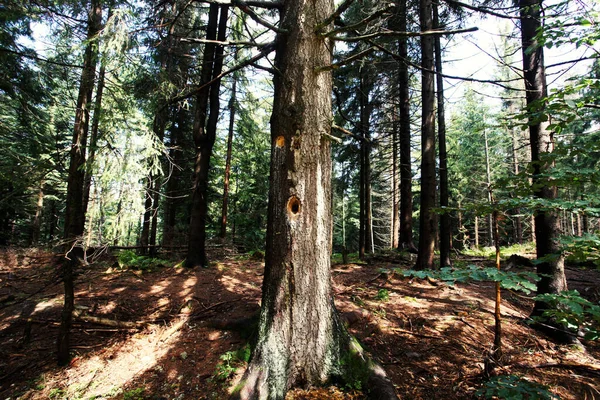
<point x="357" y="25"/>
<point x="252" y="3"/>
<point x="346" y="60"/>
<point x="266" y="50"/>
<point x="257" y="18"/>
<point x="483" y="10"/>
<point x="225" y="42"/>
<point x="403" y="34"/>
<point x="343" y="7"/>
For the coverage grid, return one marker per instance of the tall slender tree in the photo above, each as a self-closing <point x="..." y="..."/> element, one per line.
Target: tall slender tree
<point x="74" y="213"/>
<point x="427" y="221"/>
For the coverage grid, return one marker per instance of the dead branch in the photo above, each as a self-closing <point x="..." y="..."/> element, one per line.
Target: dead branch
<point x="107" y="321"/>
<point x="402" y="34"/>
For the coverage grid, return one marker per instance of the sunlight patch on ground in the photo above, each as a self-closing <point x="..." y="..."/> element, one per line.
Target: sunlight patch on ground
<point x="103" y="374"/>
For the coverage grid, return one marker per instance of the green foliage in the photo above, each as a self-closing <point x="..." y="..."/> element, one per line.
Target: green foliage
<point x="582" y="249"/>
<point x="507" y="251"/>
<point x="355" y="369"/>
<point x="573" y="312"/>
<point x="515" y="388"/>
<point x="129" y="259"/>
<point x="56" y="393"/>
<point x="383" y="295"/>
<point x="134" y="394"/>
<point x="520" y="281"/>
<point x="230" y="361"/>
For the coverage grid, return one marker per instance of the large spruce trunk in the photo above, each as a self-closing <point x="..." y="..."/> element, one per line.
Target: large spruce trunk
<point x="427" y="221"/>
<point x="547" y="223"/>
<point x="196" y="253"/>
<point x="74" y="213"/>
<point x="301" y="341"/>
<point x="445" y="227"/>
<point x="406" y="201"/>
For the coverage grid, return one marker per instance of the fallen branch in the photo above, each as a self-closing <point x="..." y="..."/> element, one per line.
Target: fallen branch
<point x="108" y="322"/>
<point x="593" y="369"/>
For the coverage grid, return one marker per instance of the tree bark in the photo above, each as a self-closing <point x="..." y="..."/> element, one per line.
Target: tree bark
<point x="232" y="102"/>
<point x="36" y="222"/>
<point x="547" y="228"/>
<point x="395" y="228"/>
<point x="445" y="228"/>
<point x="427" y="221"/>
<point x="365" y="87"/>
<point x="145" y="234"/>
<point x="301" y="340"/>
<point x="406" y="200"/>
<point x="196" y="254"/>
<point x="74" y="213"/>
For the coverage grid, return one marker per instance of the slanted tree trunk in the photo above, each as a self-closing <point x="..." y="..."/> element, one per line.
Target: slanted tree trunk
<point x="94" y="138"/>
<point x="204" y="138"/>
<point x="427" y="221"/>
<point x="488" y="175"/>
<point x="301" y="341"/>
<point x="406" y="201"/>
<point x="74" y="214"/>
<point x="547" y="224"/>
<point x="445" y="229"/>
<point x="232" y="102"/>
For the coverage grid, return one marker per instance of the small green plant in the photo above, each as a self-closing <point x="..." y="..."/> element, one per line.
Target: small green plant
<point x="129" y="259"/>
<point x="573" y="312"/>
<point x="514" y="387"/>
<point x="230" y="361"/>
<point x="134" y="394"/>
<point x="383" y="295"/>
<point x="56" y="393"/>
<point x="521" y="281"/>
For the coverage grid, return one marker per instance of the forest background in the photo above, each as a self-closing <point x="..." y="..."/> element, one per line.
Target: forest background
<point x="145" y="127"/>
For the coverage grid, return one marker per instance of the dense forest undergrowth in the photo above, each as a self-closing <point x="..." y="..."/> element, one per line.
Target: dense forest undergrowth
<point x="150" y="329"/>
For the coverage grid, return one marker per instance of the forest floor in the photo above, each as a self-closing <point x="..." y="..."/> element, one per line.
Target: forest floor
<point x="168" y="338"/>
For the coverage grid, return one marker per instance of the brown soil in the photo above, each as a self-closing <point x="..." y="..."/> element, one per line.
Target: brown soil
<point x="431" y="338"/>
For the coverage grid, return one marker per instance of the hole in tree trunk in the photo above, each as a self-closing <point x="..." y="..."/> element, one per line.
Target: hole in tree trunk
<point x="293" y="207"/>
<point x="280" y="141"/>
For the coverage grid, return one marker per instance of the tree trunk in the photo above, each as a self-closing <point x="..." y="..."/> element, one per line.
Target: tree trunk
<point x="93" y="138"/>
<point x="395" y="228"/>
<point x="145" y="234"/>
<point x="74" y="213"/>
<point x="365" y="127"/>
<point x="301" y="341"/>
<point x="427" y="221"/>
<point x="37" y="218"/>
<point x="204" y="138"/>
<point x="488" y="175"/>
<point x="445" y="229"/>
<point x="232" y="101"/>
<point x="547" y="227"/>
<point x="518" y="222"/>
<point x="406" y="197"/>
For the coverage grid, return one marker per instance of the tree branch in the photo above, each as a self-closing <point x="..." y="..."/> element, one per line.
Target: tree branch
<point x="225" y="42"/>
<point x="346" y="61"/>
<point x="252" y="3"/>
<point x="257" y="18"/>
<point x="343" y="7"/>
<point x="482" y="10"/>
<point x="266" y="50"/>
<point x="357" y="25"/>
<point x="402" y="34"/>
<point x="40" y="59"/>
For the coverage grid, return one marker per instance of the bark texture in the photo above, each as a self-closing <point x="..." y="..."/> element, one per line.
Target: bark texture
<point x="445" y="228"/>
<point x="406" y="201"/>
<point x="74" y="214"/>
<point x="427" y="221"/>
<point x="300" y="341"/>
<point x="547" y="223"/>
<point x="204" y="138"/>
